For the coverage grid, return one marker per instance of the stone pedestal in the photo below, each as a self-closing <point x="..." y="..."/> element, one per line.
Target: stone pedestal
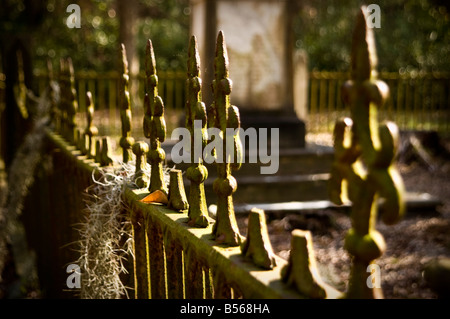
<point x="259" y="42"/>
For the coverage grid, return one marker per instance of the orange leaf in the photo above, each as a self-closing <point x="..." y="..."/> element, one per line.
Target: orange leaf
<point x="155" y="197"/>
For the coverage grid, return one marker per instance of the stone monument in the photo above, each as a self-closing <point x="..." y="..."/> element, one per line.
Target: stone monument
<point x="260" y="49"/>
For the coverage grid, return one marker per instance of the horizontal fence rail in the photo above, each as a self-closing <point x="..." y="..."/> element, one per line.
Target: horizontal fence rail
<point x="173" y="259"/>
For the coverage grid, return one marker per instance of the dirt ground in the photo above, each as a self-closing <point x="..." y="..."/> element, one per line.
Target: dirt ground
<point x="411" y="244"/>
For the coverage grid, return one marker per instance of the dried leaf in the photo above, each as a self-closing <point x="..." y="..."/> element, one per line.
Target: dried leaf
<point x="155" y="197"/>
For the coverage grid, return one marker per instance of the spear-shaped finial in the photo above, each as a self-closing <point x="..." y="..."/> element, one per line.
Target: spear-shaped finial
<point x="72" y="104"/>
<point x="126" y="141"/>
<point x="197" y="126"/>
<point x="140" y="149"/>
<point x="364" y="155"/>
<point x="90" y="130"/>
<point x="105" y="156"/>
<point x="20" y="89"/>
<point x="226" y="116"/>
<point x="154" y="123"/>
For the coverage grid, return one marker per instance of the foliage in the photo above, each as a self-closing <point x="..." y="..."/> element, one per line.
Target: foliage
<point x="414" y="34"/>
<point x="95" y="46"/>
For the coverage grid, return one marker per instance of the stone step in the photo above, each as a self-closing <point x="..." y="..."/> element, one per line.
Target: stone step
<point x="415" y="202"/>
<point x="313" y="159"/>
<point x="273" y="188"/>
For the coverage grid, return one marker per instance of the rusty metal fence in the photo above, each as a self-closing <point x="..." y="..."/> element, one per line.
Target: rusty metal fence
<point x="179" y="250"/>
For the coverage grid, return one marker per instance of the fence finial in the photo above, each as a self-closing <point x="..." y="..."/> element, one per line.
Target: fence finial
<point x="72" y="104"/>
<point x="90" y="130"/>
<point x="257" y="246"/>
<point x="140" y="149"/>
<point x="196" y="110"/>
<point x="80" y="141"/>
<point x="364" y="154"/>
<point x="105" y="157"/>
<point x="20" y="89"/>
<point x="154" y="123"/>
<point x="177" y="194"/>
<point x="226" y="116"/>
<point x="126" y="141"/>
<point x="301" y="271"/>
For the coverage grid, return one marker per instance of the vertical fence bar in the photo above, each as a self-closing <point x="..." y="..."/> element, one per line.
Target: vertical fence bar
<point x="101" y="94"/>
<point x="209" y="283"/>
<point x="313" y="104"/>
<point x="409" y="109"/>
<point x="331" y="111"/>
<point x="194" y="276"/>
<point x="399" y="114"/>
<point x="141" y="262"/>
<point x="91" y="86"/>
<point x="170" y="89"/>
<point x="82" y="94"/>
<point x="157" y="260"/>
<point x="322" y="103"/>
<point x="175" y="267"/>
<point x="112" y="102"/>
<point x="416" y="102"/>
<point x="179" y="87"/>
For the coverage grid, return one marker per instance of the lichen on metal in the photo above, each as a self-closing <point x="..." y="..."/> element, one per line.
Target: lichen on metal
<point x="140" y="150"/>
<point x="102" y="152"/>
<point x="301" y="272"/>
<point x="196" y="110"/>
<point x="177" y="194"/>
<point x="126" y="141"/>
<point x="225" y="115"/>
<point x="80" y="141"/>
<point x="20" y="89"/>
<point x="257" y="246"/>
<point x="98" y="151"/>
<point x="71" y="100"/>
<point x="363" y="169"/>
<point x="154" y="123"/>
<point x="91" y="130"/>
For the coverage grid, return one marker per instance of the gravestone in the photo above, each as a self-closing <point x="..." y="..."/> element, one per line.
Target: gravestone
<point x="260" y="50"/>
